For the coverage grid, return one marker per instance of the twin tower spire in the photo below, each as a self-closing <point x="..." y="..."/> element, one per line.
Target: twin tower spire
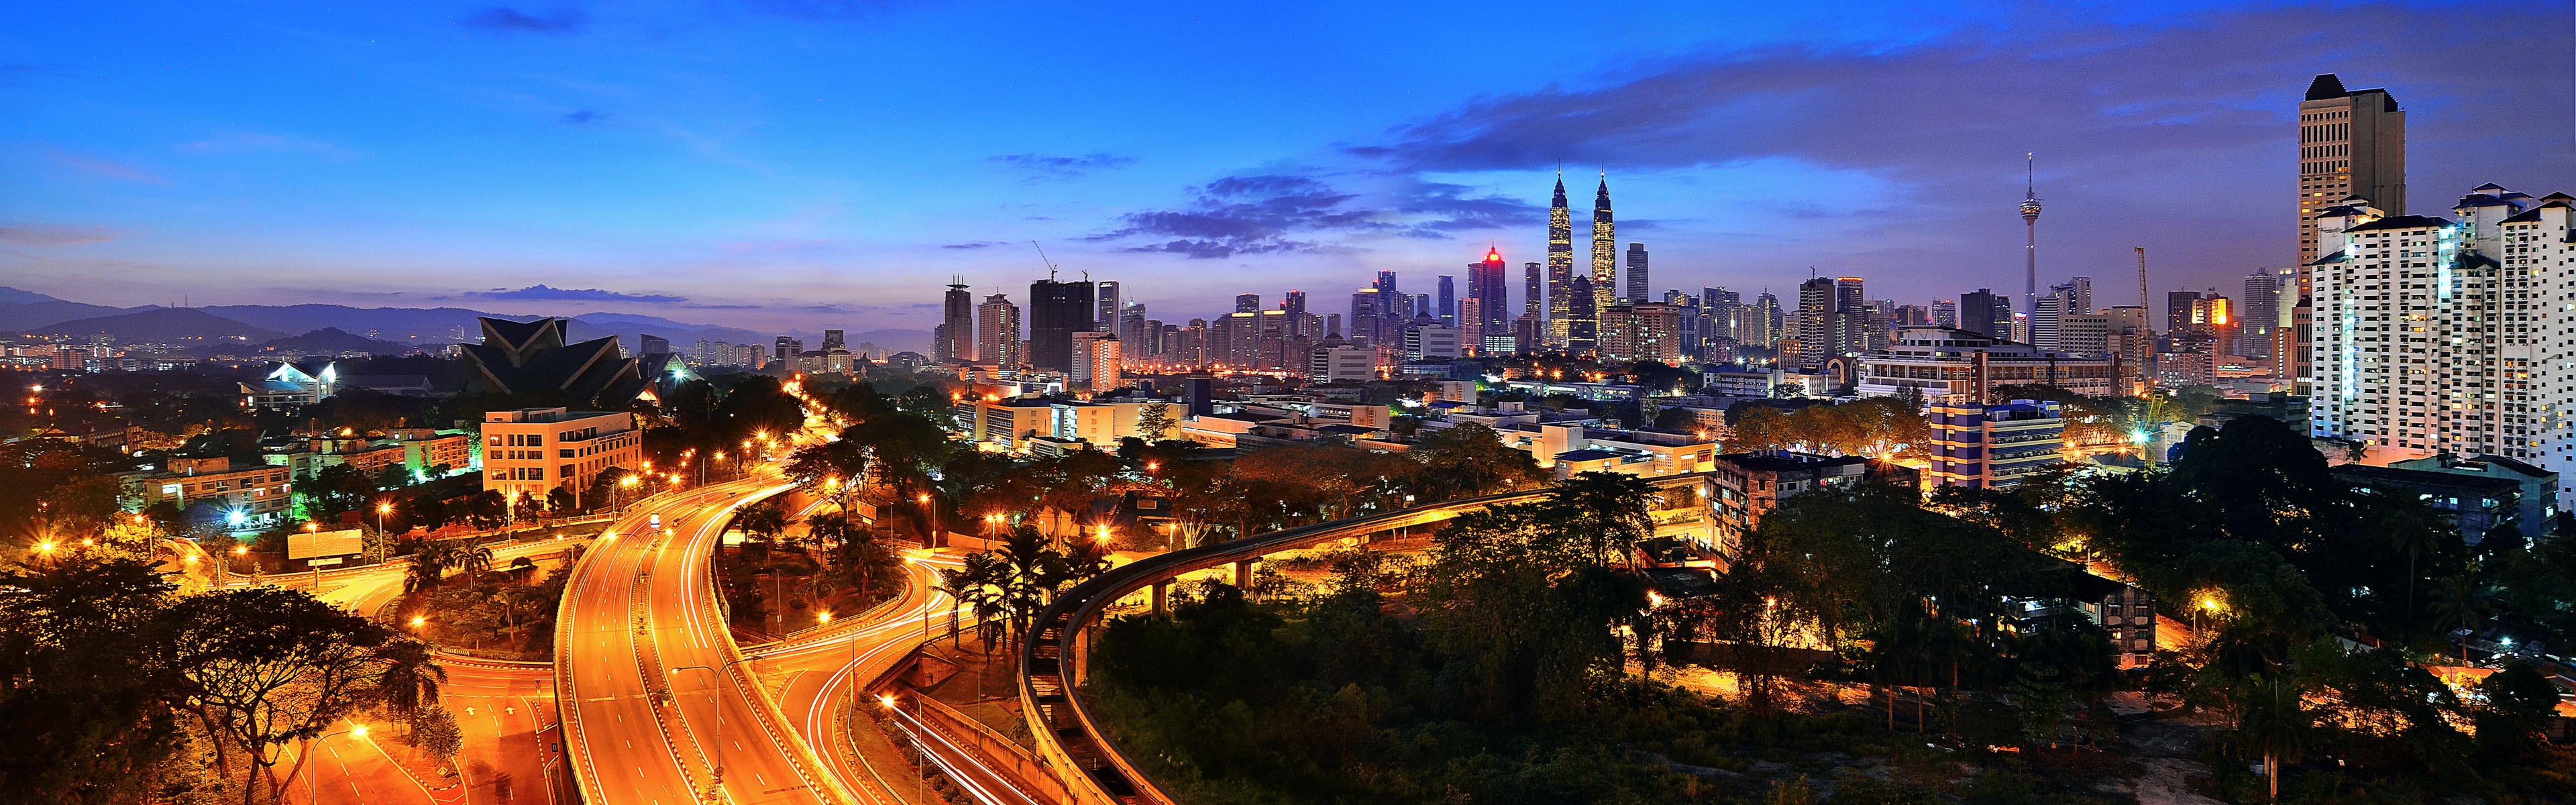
<point x="1571" y="320"/>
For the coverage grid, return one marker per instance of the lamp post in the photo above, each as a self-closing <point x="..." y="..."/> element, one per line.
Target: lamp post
<point x="715" y="676"/>
<point x="930" y="540"/>
<point x="382" y="538"/>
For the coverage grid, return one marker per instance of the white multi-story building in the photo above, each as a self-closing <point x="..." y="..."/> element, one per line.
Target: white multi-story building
<point x="2433" y="335"/>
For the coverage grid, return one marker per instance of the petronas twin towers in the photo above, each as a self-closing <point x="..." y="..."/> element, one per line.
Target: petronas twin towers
<point x="1574" y="304"/>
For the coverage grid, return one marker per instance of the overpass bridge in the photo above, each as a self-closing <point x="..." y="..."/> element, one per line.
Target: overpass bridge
<point x="1069" y="741"/>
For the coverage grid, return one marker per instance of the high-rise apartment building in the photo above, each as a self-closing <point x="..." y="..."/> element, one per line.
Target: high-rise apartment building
<point x="999" y="321"/>
<point x="1096" y="361"/>
<point x="956" y="341"/>
<point x="1057" y="310"/>
<point x="1817" y="325"/>
<point x="1760" y="324"/>
<point x="1641" y="332"/>
<point x="1247" y="303"/>
<point x="1560" y="269"/>
<point x="1853" y="319"/>
<point x="1640" y="288"/>
<point x="2440" y="336"/>
<point x="2352" y="143"/>
<point x="1605" y="248"/>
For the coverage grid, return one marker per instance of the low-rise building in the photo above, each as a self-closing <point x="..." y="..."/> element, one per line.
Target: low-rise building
<point x="1744" y="487"/>
<point x="2478" y="495"/>
<point x="1568" y="449"/>
<point x="250" y="497"/>
<point x="1949" y="365"/>
<point x="1994" y="446"/>
<point x="530" y="452"/>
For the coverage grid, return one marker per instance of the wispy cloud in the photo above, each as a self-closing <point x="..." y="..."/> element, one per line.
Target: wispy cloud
<point x="1267" y="213"/>
<point x="542" y="293"/>
<point x="34" y="234"/>
<point x="506" y="19"/>
<point x="233" y="142"/>
<point x="103" y="167"/>
<point x="980" y="244"/>
<point x="580" y="117"/>
<point x="1042" y="166"/>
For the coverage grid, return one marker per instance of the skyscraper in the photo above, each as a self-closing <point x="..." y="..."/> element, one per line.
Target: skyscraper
<point x="1981" y="311"/>
<point x="1945" y="312"/>
<point x="2259" y="312"/>
<point x="1817" y="326"/>
<point x="1106" y="315"/>
<point x="833" y="339"/>
<point x="1605" y="248"/>
<point x="957" y="323"/>
<point x="1560" y="268"/>
<point x="1533" y="293"/>
<point x="1639" y="287"/>
<point x="1057" y="310"/>
<point x="1448" y="311"/>
<point x="1486" y="285"/>
<point x="1583" y="321"/>
<point x="999" y="321"/>
<point x="2351" y="143"/>
<point x="1247" y="303"/>
<point x="1852" y="318"/>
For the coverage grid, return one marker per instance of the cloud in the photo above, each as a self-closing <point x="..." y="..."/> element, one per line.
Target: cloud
<point x="1043" y="166"/>
<point x="980" y="244"/>
<point x="2095" y="94"/>
<point x="247" y="141"/>
<point x="1272" y="213"/>
<point x="579" y="117"/>
<point x="103" y="167"/>
<point x="510" y="20"/>
<point x="547" y="294"/>
<point x="30" y="234"/>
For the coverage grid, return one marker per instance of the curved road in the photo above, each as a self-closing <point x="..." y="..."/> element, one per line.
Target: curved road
<point x="654" y="695"/>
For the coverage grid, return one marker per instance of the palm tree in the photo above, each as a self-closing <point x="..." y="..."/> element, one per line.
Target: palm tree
<point x="429" y="565"/>
<point x="2274" y="725"/>
<point x="474" y="561"/>
<point x="2458" y="608"/>
<point x="967" y="584"/>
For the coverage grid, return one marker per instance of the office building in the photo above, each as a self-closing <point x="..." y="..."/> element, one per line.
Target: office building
<point x="648" y="344"/>
<point x="2258" y="312"/>
<point x="954" y="341"/>
<point x="1605" y="247"/>
<point x="1993" y="446"/>
<point x="1639" y="286"/>
<point x="2352" y="144"/>
<point x="1945" y="312"/>
<point x="1582" y="329"/>
<point x="2435" y="335"/>
<point x="1560" y="270"/>
<point x="1430" y="342"/>
<point x="1492" y="291"/>
<point x="1964" y="366"/>
<point x="787" y="348"/>
<point x="1108" y="302"/>
<point x="1817" y="326"/>
<point x="1448" y="301"/>
<point x="1247" y="303"/>
<point x="999" y="320"/>
<point x="1641" y="332"/>
<point x="1984" y="312"/>
<point x="530" y="452"/>
<point x="1057" y="310"/>
<point x="1343" y="364"/>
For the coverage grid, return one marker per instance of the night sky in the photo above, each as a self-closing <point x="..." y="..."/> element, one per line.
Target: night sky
<point x="792" y="164"/>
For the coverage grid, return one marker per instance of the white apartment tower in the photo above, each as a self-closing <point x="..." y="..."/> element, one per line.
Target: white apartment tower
<point x="2435" y="335"/>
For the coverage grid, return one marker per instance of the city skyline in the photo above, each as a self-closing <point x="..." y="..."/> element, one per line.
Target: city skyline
<point x="564" y="162"/>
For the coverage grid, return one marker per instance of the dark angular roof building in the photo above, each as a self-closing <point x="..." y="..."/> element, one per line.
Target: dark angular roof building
<point x="530" y="357"/>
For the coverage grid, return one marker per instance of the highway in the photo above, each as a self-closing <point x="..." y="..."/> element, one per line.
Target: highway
<point x="654" y="696"/>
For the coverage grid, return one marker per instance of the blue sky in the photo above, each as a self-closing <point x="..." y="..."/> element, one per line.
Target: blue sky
<point x="782" y="164"/>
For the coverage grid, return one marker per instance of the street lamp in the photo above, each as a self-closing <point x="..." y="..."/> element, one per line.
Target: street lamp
<point x="932" y="540"/>
<point x="715" y="676"/>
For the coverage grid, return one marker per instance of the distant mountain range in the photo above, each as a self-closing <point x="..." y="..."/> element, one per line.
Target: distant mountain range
<point x="333" y="341"/>
<point x="395" y="328"/>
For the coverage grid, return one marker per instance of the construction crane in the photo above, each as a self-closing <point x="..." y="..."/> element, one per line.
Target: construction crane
<point x="1050" y="264"/>
<point x="2142" y="280"/>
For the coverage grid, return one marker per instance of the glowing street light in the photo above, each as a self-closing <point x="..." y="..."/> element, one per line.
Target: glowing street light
<point x="418" y="621"/>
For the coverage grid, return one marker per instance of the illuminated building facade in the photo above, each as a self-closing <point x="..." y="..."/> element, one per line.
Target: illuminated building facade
<point x="2352" y="144"/>
<point x="2435" y="335"/>
<point x="1605" y="250"/>
<point x="1560" y="270"/>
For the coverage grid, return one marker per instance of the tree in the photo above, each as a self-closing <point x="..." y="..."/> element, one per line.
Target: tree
<point x="1608" y="509"/>
<point x="1154" y="420"/>
<point x="1468" y="460"/>
<point x="764" y="520"/>
<point x="2272" y="725"/>
<point x="86" y="680"/>
<point x="561" y="502"/>
<point x="266" y="667"/>
<point x="488" y="509"/>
